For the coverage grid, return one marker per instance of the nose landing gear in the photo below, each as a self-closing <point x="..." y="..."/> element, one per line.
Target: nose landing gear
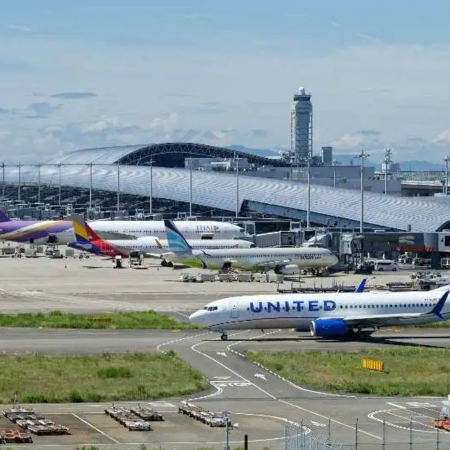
<point x="224" y="336"/>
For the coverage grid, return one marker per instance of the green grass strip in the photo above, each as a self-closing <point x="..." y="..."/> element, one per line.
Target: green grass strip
<point x="116" y="321"/>
<point x="138" y="376"/>
<point x="410" y="370"/>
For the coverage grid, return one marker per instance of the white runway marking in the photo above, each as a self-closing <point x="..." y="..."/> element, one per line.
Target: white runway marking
<point x="193" y="348"/>
<point x="95" y="428"/>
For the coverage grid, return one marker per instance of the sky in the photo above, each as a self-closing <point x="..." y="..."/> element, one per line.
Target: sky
<point x="103" y="73"/>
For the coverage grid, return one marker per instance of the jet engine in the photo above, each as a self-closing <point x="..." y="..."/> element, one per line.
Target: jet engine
<point x="287" y="269"/>
<point x="328" y="328"/>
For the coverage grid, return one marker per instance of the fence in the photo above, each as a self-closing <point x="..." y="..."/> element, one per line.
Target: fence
<point x="382" y="435"/>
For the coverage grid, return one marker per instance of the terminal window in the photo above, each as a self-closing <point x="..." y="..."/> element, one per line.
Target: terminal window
<point x="447" y="241"/>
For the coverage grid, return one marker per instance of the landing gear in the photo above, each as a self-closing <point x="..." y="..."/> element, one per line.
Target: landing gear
<point x="169" y="264"/>
<point x="164" y="263"/>
<point x="224" y="337"/>
<point x="359" y="335"/>
<point x="226" y="267"/>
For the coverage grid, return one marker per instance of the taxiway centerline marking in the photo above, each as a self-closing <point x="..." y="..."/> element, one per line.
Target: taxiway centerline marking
<point x="272" y="396"/>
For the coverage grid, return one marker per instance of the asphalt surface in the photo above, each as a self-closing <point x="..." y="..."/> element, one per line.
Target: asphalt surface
<point x="259" y="401"/>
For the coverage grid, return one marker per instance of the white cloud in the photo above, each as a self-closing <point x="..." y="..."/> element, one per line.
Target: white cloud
<point x="144" y="94"/>
<point x="20" y="28"/>
<point x="74" y="95"/>
<point x="335" y="24"/>
<point x="370" y="38"/>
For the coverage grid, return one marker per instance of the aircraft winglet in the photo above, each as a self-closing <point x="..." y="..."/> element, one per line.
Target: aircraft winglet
<point x="439" y="306"/>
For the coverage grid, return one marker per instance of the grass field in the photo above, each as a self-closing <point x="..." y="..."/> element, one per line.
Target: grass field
<point x="410" y="370"/>
<point x="123" y="321"/>
<point x="139" y="376"/>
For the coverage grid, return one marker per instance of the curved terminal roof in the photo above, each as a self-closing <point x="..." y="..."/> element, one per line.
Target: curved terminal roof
<point x="162" y="154"/>
<point x="106" y="155"/>
<point x="218" y="190"/>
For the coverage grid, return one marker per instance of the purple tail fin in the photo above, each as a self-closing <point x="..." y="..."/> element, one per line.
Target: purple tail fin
<point x="4" y="217"/>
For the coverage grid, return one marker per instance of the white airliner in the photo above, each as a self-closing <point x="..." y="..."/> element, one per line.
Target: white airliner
<point x="335" y="315"/>
<point x="88" y="240"/>
<point x="61" y="231"/>
<point x="191" y="229"/>
<point x="284" y="260"/>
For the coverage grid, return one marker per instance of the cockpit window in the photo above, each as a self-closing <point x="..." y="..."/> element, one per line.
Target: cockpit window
<point x="211" y="308"/>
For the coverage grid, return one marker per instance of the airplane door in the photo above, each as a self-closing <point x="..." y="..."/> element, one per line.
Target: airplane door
<point x="234" y="311"/>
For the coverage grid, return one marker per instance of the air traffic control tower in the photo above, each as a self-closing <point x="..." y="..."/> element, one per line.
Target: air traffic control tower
<point x="301" y="127"/>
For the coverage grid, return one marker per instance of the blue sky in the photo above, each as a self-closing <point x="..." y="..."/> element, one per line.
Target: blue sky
<point x="84" y="74"/>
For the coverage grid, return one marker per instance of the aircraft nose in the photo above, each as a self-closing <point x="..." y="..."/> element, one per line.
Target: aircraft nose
<point x="196" y="317"/>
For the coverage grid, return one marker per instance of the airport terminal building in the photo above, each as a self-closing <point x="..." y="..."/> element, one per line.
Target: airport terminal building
<point x="159" y="168"/>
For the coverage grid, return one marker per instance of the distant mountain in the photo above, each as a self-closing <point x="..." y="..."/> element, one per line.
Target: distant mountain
<point x="421" y="165"/>
<point x="415" y="165"/>
<point x="255" y="151"/>
<point x="349" y="160"/>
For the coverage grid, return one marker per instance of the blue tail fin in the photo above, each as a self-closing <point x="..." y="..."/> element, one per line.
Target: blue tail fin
<point x="361" y="286"/>
<point x="437" y="310"/>
<point x="176" y="241"/>
<point x="4" y="217"/>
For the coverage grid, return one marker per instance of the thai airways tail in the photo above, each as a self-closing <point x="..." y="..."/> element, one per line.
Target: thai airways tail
<point x="4" y="217"/>
<point x="176" y="241"/>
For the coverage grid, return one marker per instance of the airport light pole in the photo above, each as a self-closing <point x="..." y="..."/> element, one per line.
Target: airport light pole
<point x="3" y="180"/>
<point x="60" y="182"/>
<point x="18" y="190"/>
<point x="151" y="187"/>
<point x="362" y="156"/>
<point x="237" y="184"/>
<point x="90" y="185"/>
<point x="118" y="187"/>
<point x="387" y="160"/>
<point x="39" y="183"/>
<point x="308" y="209"/>
<point x="446" y="159"/>
<point x="190" y="187"/>
<point x="335" y="163"/>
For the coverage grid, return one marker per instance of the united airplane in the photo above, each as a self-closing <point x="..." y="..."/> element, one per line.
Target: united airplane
<point x="40" y="231"/>
<point x="88" y="240"/>
<point x="283" y="260"/>
<point x="337" y="315"/>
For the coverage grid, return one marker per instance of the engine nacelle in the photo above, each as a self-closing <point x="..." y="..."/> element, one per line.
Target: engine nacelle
<point x="288" y="269"/>
<point x="328" y="328"/>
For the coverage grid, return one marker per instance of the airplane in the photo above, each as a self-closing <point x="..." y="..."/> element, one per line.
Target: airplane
<point x="88" y="240"/>
<point x="284" y="260"/>
<point x="61" y="231"/>
<point x="338" y="315"/>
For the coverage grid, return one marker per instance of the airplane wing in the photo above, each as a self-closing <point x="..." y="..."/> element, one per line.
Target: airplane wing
<point x="274" y="263"/>
<point x="380" y="320"/>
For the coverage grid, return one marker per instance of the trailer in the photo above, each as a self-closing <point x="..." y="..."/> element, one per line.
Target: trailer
<point x="213" y="419"/>
<point x="128" y="419"/>
<point x="34" y="422"/>
<point x="15" y="437"/>
<point x="148" y="414"/>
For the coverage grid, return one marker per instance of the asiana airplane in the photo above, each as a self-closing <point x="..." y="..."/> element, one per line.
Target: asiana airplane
<point x="337" y="315"/>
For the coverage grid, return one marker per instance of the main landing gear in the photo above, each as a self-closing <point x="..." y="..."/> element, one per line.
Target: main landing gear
<point x="224" y="336"/>
<point x="360" y="335"/>
<point x="165" y="263"/>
